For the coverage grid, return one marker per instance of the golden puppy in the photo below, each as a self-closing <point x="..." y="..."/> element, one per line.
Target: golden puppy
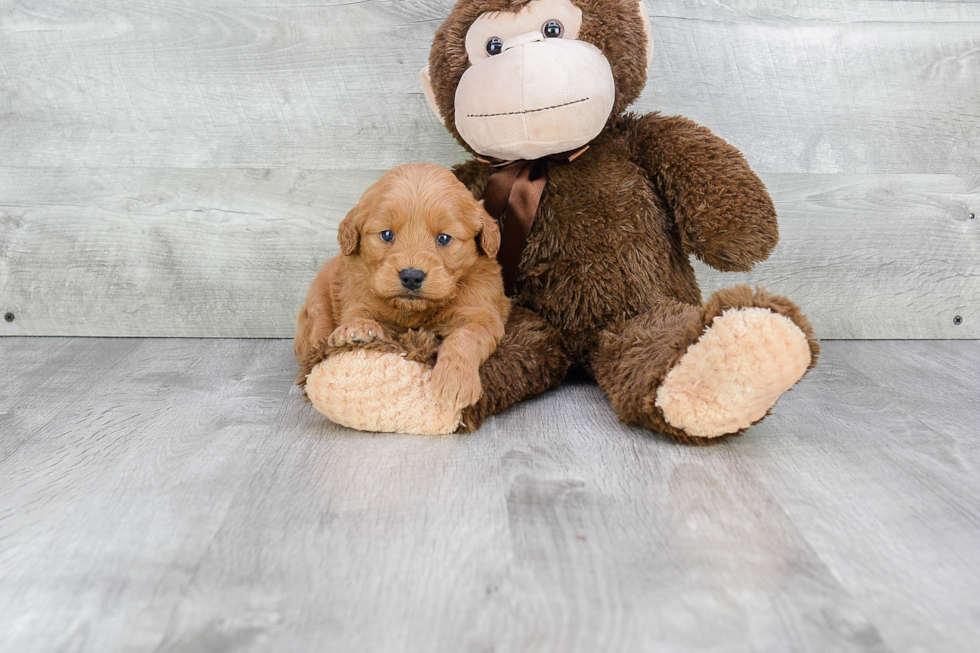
<point x="418" y="253"/>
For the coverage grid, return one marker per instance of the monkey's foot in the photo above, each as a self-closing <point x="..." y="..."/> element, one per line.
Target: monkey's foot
<point x="381" y="388"/>
<point x="734" y="373"/>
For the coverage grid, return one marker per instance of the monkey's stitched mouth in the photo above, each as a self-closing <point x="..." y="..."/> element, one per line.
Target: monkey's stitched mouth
<point x="519" y="113"/>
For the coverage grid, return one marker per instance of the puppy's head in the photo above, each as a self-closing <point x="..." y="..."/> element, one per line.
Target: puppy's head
<point x="417" y="231"/>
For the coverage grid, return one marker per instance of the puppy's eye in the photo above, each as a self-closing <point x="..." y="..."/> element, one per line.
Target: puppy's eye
<point x="553" y="29"/>
<point x="495" y="45"/>
<point x="444" y="239"/>
<point x="388" y="235"/>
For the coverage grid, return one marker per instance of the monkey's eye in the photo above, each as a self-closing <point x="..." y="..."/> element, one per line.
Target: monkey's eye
<point x="495" y="45"/>
<point x="387" y="235"/>
<point x="444" y="239"/>
<point x="553" y="29"/>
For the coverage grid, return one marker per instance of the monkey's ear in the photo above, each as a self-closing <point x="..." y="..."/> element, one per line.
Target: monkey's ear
<point x="349" y="232"/>
<point x="430" y="95"/>
<point x="488" y="240"/>
<point x="645" y="17"/>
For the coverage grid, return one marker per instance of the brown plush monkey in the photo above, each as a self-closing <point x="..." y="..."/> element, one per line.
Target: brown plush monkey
<point x="600" y="210"/>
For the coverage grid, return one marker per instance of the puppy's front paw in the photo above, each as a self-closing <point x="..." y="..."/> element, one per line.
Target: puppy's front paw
<point x="356" y="332"/>
<point x="456" y="384"/>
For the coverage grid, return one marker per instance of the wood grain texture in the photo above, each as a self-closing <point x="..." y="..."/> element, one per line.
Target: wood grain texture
<point x="178" y="496"/>
<point x="133" y="469"/>
<point x="178" y="169"/>
<point x="823" y="86"/>
<point x="885" y="508"/>
<point x="219" y="253"/>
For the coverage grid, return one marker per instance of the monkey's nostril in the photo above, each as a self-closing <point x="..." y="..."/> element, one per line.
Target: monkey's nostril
<point x="411" y="278"/>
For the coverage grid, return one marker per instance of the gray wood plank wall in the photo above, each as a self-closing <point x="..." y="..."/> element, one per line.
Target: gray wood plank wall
<point x="179" y="168"/>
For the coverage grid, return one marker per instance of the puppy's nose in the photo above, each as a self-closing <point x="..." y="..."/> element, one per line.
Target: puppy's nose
<point x="411" y="278"/>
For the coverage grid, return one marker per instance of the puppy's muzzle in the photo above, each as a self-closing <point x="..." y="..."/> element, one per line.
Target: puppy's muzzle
<point x="411" y="278"/>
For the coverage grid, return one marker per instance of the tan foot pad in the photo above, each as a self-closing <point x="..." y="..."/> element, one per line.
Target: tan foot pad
<point x="374" y="391"/>
<point x="734" y="373"/>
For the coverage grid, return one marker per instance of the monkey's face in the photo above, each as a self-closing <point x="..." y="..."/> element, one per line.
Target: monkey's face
<point x="535" y="81"/>
<point x="532" y="89"/>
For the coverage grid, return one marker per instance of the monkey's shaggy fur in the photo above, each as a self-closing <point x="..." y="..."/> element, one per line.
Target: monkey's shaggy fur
<point x="606" y="262"/>
<point x="605" y="282"/>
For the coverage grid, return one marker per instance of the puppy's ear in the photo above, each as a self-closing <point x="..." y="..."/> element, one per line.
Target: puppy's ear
<point x="349" y="232"/>
<point x="488" y="240"/>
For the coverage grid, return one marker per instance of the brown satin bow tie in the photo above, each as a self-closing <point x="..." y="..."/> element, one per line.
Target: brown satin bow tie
<point x="515" y="189"/>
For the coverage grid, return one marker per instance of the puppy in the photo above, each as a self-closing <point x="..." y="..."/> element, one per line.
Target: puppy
<point x="417" y="253"/>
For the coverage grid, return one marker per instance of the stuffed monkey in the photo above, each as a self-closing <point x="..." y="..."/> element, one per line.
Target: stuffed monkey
<point x="600" y="210"/>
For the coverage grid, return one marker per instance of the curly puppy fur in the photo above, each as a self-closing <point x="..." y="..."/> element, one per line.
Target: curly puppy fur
<point x="360" y="297"/>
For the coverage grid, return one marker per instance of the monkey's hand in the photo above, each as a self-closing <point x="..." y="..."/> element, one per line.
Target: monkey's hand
<point x="725" y="215"/>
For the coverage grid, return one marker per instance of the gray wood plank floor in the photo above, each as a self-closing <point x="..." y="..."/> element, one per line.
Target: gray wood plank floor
<point x="176" y="495"/>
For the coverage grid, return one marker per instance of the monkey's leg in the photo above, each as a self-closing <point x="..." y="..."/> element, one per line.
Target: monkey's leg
<point x="697" y="373"/>
<point x="383" y="386"/>
<point x="529" y="360"/>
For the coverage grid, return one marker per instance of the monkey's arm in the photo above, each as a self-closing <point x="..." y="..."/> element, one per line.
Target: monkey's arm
<point x="724" y="212"/>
